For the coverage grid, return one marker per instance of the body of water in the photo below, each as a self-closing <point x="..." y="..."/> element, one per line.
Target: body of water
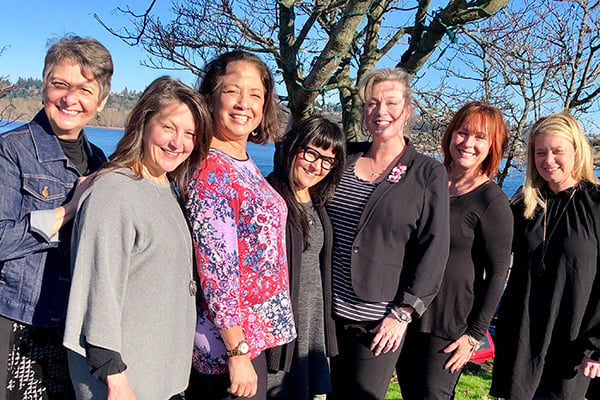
<point x="107" y="140"/>
<point x="262" y="155"/>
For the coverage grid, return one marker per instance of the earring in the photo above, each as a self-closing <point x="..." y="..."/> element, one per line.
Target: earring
<point x="98" y="116"/>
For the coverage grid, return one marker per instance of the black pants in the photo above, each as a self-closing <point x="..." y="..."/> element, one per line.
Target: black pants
<point x="594" y="389"/>
<point x="420" y="368"/>
<point x="356" y="374"/>
<point x="214" y="387"/>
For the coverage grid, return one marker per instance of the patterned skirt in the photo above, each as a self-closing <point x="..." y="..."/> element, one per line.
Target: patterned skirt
<point x="37" y="364"/>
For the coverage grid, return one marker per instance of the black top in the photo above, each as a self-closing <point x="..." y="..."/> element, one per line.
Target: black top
<point x="481" y="230"/>
<point x="280" y="358"/>
<point x="401" y="245"/>
<point x="549" y="318"/>
<point x="103" y="362"/>
<point x="75" y="150"/>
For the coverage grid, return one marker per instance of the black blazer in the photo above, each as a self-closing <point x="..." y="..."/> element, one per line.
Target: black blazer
<point x="401" y="247"/>
<point x="280" y="358"/>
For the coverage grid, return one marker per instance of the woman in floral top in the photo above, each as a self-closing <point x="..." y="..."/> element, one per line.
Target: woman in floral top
<point x="238" y="227"/>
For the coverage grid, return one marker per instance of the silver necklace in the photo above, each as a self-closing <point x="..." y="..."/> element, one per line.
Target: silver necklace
<point x="374" y="174"/>
<point x="192" y="285"/>
<point x="546" y="239"/>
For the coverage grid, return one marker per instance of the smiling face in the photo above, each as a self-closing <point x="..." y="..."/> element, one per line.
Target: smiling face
<point x="469" y="147"/>
<point x="237" y="105"/>
<point x="554" y="161"/>
<point x="169" y="138"/>
<point x="308" y="174"/>
<point x="70" y="99"/>
<point x="385" y="111"/>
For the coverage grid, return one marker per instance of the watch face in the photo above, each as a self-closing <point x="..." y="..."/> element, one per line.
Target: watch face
<point x="243" y="347"/>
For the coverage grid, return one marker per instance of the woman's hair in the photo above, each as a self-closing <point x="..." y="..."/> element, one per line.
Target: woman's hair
<point x="91" y="56"/>
<point x="161" y="93"/>
<point x="566" y="126"/>
<point x="371" y="78"/>
<point x="376" y="76"/>
<point x="480" y="117"/>
<point x="269" y="128"/>
<point x="319" y="132"/>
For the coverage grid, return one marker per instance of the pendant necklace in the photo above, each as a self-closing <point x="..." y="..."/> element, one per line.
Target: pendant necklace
<point x="545" y="238"/>
<point x="373" y="173"/>
<point x="192" y="285"/>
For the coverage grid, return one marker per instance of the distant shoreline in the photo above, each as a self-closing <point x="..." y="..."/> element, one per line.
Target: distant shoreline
<point x="91" y="126"/>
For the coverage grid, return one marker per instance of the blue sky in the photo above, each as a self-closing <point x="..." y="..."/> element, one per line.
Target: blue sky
<point x="27" y="25"/>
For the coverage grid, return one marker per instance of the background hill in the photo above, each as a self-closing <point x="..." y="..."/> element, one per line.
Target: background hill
<point x="25" y="100"/>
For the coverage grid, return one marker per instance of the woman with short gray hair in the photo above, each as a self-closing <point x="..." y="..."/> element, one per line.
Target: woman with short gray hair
<point x="46" y="165"/>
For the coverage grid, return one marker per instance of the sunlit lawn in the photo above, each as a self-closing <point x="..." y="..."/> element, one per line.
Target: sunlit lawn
<point x="474" y="384"/>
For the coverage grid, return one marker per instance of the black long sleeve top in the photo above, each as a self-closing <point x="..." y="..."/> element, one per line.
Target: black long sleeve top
<point x="481" y="230"/>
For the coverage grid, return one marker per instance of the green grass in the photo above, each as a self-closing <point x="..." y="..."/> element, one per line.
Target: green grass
<point x="474" y="384"/>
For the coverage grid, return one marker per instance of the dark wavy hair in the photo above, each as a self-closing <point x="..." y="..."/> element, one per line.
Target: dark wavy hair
<point x="319" y="132"/>
<point x="160" y="93"/>
<point x="269" y="128"/>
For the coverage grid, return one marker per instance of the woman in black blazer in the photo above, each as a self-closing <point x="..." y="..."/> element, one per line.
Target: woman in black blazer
<point x="391" y="238"/>
<point x="308" y="164"/>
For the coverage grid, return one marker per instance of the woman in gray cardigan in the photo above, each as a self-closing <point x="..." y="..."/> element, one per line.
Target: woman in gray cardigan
<point x="131" y="314"/>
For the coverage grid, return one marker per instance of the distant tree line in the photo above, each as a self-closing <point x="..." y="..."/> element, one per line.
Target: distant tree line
<point x="24" y="100"/>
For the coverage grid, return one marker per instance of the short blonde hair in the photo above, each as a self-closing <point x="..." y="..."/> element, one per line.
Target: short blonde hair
<point x="371" y="78"/>
<point x="566" y="126"/>
<point x="375" y="76"/>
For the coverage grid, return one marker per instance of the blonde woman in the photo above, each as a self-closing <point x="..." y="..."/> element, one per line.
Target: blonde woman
<point x="391" y="236"/>
<point x="548" y="332"/>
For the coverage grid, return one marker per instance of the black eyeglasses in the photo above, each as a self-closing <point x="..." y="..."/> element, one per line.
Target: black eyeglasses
<point x="311" y="155"/>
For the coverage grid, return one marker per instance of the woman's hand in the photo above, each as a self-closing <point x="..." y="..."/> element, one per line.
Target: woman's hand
<point x="590" y="367"/>
<point x="118" y="387"/>
<point x="65" y="213"/>
<point x="462" y="353"/>
<point x="83" y="183"/>
<point x="389" y="335"/>
<point x="244" y="381"/>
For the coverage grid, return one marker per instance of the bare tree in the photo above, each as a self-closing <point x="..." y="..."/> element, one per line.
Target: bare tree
<point x="8" y="113"/>
<point x="575" y="33"/>
<point x="536" y="57"/>
<point x="317" y="47"/>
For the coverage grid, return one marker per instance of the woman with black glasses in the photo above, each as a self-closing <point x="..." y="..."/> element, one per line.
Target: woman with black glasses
<point x="308" y="164"/>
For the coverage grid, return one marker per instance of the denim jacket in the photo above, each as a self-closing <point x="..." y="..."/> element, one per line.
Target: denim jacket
<point x="36" y="175"/>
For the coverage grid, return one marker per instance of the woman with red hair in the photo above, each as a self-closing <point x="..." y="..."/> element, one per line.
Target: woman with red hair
<point x="441" y="342"/>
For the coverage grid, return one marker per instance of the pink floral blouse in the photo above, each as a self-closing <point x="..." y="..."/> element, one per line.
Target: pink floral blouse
<point x="238" y="228"/>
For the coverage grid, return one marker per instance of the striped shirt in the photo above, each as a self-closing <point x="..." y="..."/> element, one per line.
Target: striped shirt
<point x="345" y="210"/>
